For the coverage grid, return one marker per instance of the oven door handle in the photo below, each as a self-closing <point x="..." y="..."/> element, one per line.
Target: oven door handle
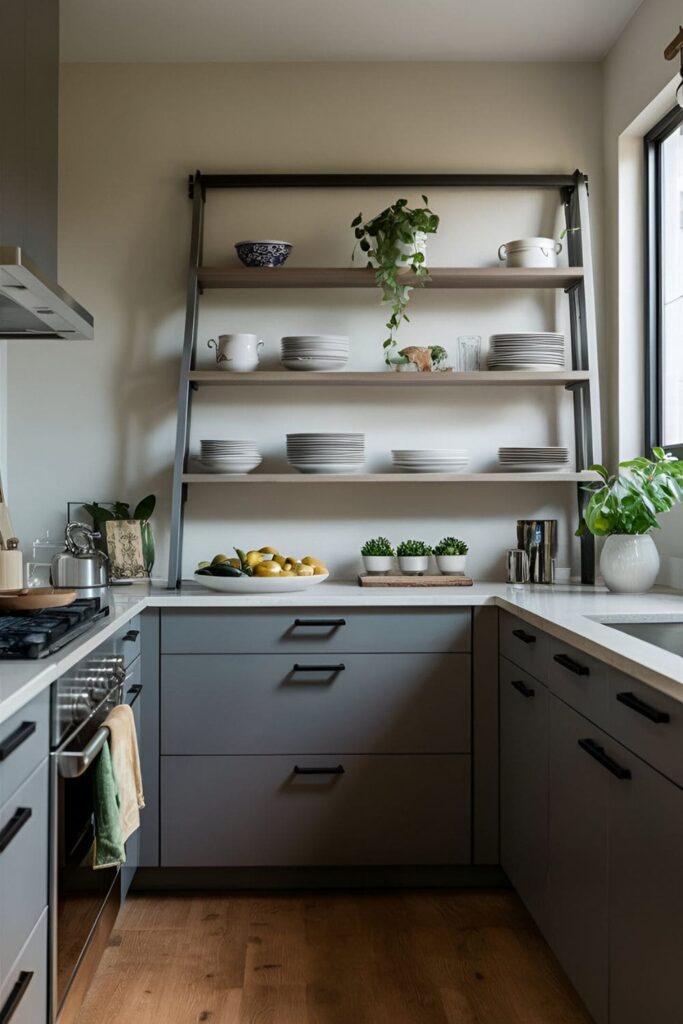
<point x="72" y="763"/>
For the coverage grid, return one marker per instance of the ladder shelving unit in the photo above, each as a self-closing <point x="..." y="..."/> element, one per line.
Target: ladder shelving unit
<point x="576" y="280"/>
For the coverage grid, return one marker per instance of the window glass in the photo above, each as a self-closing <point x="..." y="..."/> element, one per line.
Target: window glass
<point x="672" y="289"/>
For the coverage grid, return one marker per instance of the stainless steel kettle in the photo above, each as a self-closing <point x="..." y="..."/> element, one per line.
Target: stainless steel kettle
<point x="80" y="565"/>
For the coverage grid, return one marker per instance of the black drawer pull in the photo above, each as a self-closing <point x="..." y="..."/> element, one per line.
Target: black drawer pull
<point x="131" y="636"/>
<point x="14" y="826"/>
<point x="598" y="752"/>
<point x="16" y="995"/>
<point x="16" y="738"/>
<point x="636" y="704"/>
<point x="318" y="668"/>
<point x="134" y="692"/>
<point x="325" y="623"/>
<point x="526" y="691"/>
<point x="566" y="662"/>
<point x="334" y="770"/>
<point x="526" y="638"/>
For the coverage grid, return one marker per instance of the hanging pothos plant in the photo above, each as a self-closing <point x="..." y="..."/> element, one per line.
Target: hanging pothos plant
<point x="394" y="241"/>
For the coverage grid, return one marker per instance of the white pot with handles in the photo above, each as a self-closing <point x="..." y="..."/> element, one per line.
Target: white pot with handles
<point x="530" y="252"/>
<point x="629" y="563"/>
<point x="239" y="353"/>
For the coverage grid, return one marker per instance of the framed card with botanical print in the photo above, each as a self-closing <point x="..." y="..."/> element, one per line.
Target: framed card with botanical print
<point x="124" y="544"/>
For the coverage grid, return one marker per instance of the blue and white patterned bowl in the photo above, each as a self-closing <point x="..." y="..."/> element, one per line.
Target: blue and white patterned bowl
<point x="263" y="254"/>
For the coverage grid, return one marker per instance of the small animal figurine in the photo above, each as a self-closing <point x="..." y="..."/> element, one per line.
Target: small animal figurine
<point x="420" y="357"/>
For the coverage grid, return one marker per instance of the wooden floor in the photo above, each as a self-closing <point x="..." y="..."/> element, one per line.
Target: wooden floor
<point x="449" y="957"/>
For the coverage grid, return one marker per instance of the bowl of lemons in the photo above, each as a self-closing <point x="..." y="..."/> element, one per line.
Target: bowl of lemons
<point x="260" y="572"/>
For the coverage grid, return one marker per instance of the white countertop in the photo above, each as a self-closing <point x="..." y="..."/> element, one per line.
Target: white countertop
<point x="570" y="613"/>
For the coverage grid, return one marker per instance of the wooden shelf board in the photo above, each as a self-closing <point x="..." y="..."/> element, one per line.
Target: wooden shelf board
<point x="388" y="478"/>
<point x="364" y="277"/>
<point x="490" y="378"/>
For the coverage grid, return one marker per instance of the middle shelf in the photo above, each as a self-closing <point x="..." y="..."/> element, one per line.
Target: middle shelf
<point x="584" y="476"/>
<point x="379" y="378"/>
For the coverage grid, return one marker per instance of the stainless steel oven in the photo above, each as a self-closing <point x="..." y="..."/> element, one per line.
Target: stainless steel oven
<point x="84" y="900"/>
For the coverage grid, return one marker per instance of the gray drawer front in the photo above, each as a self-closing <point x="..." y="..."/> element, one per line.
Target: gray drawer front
<point x="523" y="644"/>
<point x="23" y="866"/>
<point x="127" y="641"/>
<point x="32" y="1007"/>
<point x="275" y="631"/>
<point x="660" y="743"/>
<point x="579" y="680"/>
<point x="359" y="703"/>
<point x="254" y="811"/>
<point x="17" y="764"/>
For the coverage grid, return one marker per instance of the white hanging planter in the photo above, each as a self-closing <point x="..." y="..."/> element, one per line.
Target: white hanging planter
<point x="629" y="563"/>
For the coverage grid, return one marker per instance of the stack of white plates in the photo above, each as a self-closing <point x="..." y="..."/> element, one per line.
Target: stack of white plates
<point x="326" y="453"/>
<point x="534" y="460"/>
<point x="430" y="460"/>
<point x="229" y="456"/>
<point x="542" y="350"/>
<point x="315" y="351"/>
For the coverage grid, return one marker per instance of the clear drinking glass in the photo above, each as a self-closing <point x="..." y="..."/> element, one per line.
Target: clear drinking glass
<point x="469" y="353"/>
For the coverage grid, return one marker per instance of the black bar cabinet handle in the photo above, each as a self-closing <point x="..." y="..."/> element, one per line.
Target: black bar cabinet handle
<point x="526" y="638"/>
<point x="573" y="666"/>
<point x="16" y="995"/>
<point x="131" y="636"/>
<point x="526" y="691"/>
<point x="318" y="668"/>
<point x="13" y="827"/>
<point x="135" y="691"/>
<point x="322" y="770"/>
<point x="598" y="752"/>
<point x="320" y="622"/>
<point x="16" y="738"/>
<point x="636" y="704"/>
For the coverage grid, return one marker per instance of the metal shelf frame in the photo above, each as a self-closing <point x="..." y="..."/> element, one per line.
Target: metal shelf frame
<point x="573" y="192"/>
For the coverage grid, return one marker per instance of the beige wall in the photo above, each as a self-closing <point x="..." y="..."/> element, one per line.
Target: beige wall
<point x="97" y="419"/>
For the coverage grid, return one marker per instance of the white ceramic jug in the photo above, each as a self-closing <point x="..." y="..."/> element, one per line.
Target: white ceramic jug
<point x="237" y="352"/>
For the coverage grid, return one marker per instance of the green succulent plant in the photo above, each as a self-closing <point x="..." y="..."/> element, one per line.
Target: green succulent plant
<point x="451" y="546"/>
<point x="377" y="547"/>
<point x="413" y="549"/>
<point x="629" y="503"/>
<point x="439" y="354"/>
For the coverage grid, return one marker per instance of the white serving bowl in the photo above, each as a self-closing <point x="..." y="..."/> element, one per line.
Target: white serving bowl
<point x="258" y="584"/>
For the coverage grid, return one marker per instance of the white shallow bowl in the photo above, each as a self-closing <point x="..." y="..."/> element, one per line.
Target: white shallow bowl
<point x="257" y="584"/>
<point x="327" y="467"/>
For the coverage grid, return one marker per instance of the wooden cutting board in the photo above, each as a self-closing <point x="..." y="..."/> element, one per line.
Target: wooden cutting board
<point x="32" y="599"/>
<point x="366" y="580"/>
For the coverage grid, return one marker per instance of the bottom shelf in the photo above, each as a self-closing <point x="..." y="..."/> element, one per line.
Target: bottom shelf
<point x="390" y="478"/>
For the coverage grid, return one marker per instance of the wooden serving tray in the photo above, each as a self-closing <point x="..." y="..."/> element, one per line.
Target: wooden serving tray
<point x="365" y="580"/>
<point x="32" y="599"/>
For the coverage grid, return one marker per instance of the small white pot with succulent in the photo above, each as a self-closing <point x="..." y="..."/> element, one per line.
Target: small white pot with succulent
<point x="378" y="556"/>
<point x="413" y="557"/>
<point x="451" y="556"/>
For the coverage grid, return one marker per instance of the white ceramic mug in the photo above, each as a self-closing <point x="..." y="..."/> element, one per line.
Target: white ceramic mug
<point x="237" y="352"/>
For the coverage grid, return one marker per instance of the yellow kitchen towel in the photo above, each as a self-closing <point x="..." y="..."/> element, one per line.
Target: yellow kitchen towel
<point x="123" y="744"/>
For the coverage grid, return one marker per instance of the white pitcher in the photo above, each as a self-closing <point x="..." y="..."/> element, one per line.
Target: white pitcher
<point x="237" y="352"/>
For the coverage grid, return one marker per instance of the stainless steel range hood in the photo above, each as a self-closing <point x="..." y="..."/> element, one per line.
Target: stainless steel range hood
<point x="32" y="306"/>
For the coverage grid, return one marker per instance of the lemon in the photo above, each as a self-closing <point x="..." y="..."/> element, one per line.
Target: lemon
<point x="310" y="560"/>
<point x="269" y="551"/>
<point x="281" y="560"/>
<point x="267" y="568"/>
<point x="254" y="558"/>
<point x="219" y="559"/>
<point x="319" y="570"/>
<point x="305" y="570"/>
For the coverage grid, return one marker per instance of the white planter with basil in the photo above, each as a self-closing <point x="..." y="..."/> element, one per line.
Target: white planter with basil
<point x="413" y="565"/>
<point x="378" y="565"/>
<point x="629" y="563"/>
<point x="451" y="565"/>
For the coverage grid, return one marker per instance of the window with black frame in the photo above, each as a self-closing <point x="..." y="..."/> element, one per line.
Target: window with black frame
<point x="664" y="286"/>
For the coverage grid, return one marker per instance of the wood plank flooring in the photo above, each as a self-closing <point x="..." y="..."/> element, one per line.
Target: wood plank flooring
<point x="426" y="957"/>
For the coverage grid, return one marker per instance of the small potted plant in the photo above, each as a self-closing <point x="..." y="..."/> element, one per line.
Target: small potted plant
<point x="378" y="556"/>
<point x="394" y="241"/>
<point x="413" y="557"/>
<point x="623" y="509"/>
<point x="451" y="556"/>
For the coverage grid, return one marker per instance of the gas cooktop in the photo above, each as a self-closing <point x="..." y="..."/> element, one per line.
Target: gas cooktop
<point x="37" y="634"/>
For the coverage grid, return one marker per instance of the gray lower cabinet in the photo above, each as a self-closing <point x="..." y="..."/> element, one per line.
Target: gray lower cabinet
<point x="577" y="906"/>
<point x="524" y="785"/>
<point x="23" y="994"/>
<point x="332" y="809"/>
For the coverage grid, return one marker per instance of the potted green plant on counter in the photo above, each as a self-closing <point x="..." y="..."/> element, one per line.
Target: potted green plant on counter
<point x="623" y="509"/>
<point x="451" y="556"/>
<point x="102" y="514"/>
<point x="378" y="556"/>
<point x="413" y="557"/>
<point x="395" y="241"/>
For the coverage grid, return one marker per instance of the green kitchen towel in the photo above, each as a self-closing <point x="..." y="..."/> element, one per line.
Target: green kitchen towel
<point x="109" y="848"/>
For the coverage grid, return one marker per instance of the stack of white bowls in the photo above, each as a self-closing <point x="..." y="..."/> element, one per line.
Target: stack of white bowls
<point x="315" y="351"/>
<point x="542" y="350"/>
<point x="550" y="458"/>
<point x="229" y="456"/>
<point x="430" y="460"/>
<point x="326" y="453"/>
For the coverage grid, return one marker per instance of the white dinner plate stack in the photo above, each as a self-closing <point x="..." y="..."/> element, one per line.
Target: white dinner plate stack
<point x="315" y="351"/>
<point x="552" y="458"/>
<point x="430" y="460"/>
<point x="542" y="350"/>
<point x="229" y="456"/>
<point x="326" y="453"/>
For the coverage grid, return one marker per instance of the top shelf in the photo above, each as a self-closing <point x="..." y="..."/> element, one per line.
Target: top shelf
<point x="364" y="277"/>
